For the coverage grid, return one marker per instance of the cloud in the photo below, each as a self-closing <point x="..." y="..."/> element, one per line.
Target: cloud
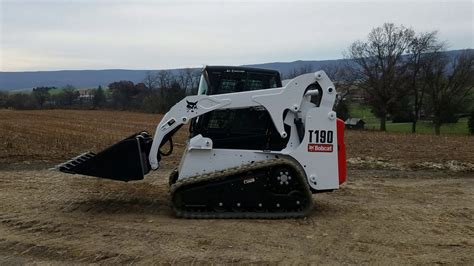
<point x="44" y="35"/>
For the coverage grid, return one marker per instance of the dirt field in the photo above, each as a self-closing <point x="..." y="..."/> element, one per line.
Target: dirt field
<point x="409" y="199"/>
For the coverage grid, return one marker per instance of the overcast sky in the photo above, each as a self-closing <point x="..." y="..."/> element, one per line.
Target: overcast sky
<point x="54" y="35"/>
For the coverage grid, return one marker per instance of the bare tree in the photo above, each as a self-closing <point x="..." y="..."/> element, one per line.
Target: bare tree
<point x="307" y="68"/>
<point x="450" y="85"/>
<point x="151" y="80"/>
<point x="423" y="46"/>
<point x="381" y="68"/>
<point x="165" y="78"/>
<point x="188" y="80"/>
<point x="193" y="77"/>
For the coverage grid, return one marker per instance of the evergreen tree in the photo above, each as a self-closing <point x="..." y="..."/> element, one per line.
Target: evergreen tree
<point x="99" y="98"/>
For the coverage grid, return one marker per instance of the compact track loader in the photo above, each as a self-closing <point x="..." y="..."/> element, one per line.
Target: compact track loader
<point x="256" y="149"/>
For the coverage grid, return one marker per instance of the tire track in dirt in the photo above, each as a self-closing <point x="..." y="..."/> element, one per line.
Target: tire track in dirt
<point x="42" y="238"/>
<point x="39" y="252"/>
<point x="378" y="217"/>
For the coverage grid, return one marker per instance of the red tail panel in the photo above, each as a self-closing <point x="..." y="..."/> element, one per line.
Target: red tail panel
<point x="341" y="152"/>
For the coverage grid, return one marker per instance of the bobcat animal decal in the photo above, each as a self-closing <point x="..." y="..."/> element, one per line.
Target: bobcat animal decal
<point x="191" y="105"/>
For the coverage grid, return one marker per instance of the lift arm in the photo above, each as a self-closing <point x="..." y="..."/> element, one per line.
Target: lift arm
<point x="275" y="101"/>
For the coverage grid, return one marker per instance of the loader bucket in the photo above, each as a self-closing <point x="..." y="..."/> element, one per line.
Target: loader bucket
<point x="125" y="161"/>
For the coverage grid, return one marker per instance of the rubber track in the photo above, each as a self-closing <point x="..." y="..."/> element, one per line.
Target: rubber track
<point x="243" y="215"/>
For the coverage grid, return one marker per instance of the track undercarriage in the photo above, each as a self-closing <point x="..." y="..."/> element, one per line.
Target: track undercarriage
<point x="274" y="188"/>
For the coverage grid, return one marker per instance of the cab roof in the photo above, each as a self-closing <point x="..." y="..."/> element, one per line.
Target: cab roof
<point x="240" y="68"/>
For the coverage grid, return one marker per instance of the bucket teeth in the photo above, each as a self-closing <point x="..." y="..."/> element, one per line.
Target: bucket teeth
<point x="69" y="165"/>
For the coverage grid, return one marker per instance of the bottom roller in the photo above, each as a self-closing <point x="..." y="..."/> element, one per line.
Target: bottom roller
<point x="126" y="160"/>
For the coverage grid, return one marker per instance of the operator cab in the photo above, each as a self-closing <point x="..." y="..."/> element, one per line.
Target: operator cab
<point x="248" y="128"/>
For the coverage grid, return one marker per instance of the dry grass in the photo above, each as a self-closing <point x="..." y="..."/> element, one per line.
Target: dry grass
<point x="55" y="135"/>
<point x="410" y="148"/>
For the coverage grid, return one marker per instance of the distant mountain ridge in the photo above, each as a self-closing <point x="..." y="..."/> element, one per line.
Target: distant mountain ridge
<point x="93" y="78"/>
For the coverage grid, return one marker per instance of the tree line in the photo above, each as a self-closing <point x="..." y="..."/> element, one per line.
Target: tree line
<point x="158" y="91"/>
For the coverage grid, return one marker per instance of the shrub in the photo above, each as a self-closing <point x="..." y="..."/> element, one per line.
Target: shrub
<point x="470" y="122"/>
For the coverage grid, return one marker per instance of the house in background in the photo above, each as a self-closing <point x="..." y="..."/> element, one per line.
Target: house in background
<point x="86" y="95"/>
<point x="355" y="123"/>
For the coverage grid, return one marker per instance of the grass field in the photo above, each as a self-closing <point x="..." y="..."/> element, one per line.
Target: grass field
<point x="424" y="127"/>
